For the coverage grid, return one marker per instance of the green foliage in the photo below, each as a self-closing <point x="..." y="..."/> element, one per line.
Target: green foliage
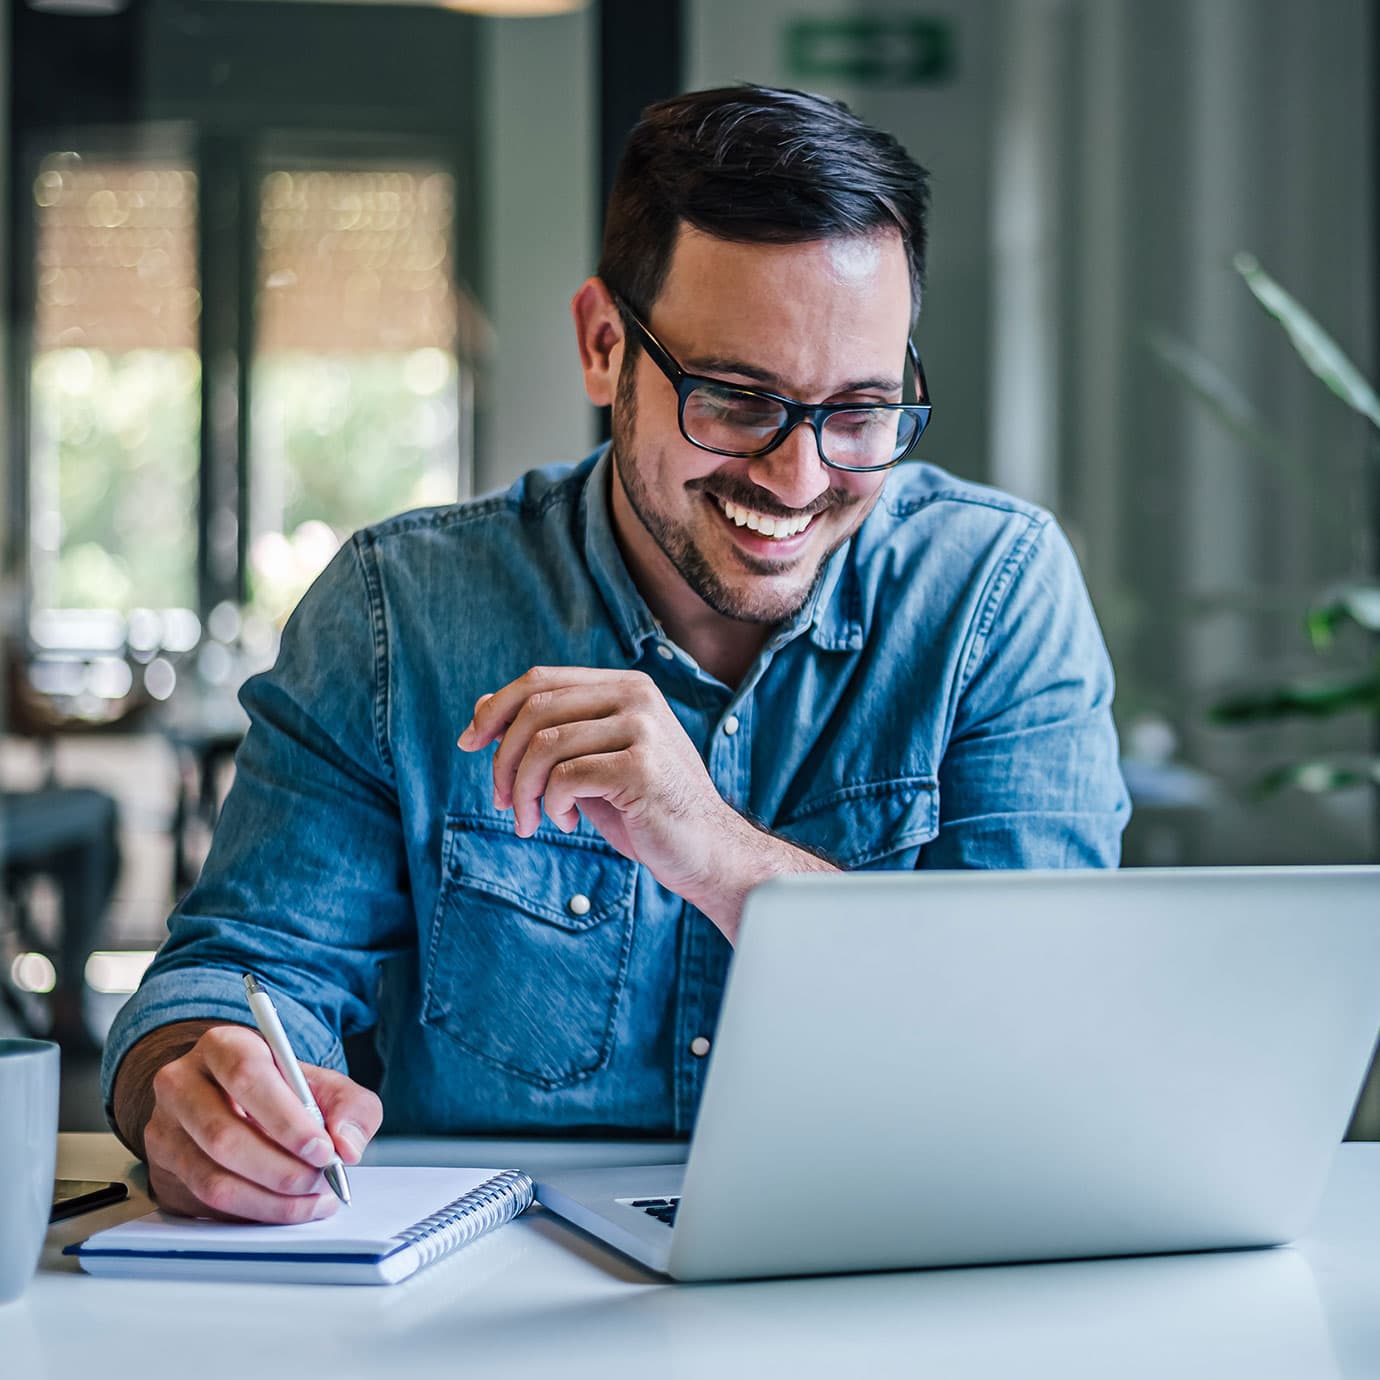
<point x="1323" y="356"/>
<point x="1312" y="699"/>
<point x="337" y="442"/>
<point x="1317" y="777"/>
<point x="340" y="442"/>
<point x="115" y="478"/>
<point x="1355" y="604"/>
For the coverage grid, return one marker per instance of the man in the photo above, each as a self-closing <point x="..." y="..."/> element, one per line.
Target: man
<point x="736" y="644"/>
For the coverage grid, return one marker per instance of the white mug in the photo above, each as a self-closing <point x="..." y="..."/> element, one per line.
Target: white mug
<point x="28" y="1154"/>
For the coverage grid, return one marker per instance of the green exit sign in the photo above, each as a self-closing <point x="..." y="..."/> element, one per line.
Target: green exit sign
<point x="871" y="51"/>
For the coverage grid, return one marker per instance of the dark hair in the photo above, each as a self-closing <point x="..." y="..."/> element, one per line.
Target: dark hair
<point x="755" y="164"/>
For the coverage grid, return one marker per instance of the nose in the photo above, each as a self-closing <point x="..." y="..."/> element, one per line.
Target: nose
<point x="793" y="473"/>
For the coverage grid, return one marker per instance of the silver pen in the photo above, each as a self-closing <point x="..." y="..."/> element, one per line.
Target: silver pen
<point x="271" y="1028"/>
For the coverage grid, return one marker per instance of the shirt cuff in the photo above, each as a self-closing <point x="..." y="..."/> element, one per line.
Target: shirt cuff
<point x="207" y="994"/>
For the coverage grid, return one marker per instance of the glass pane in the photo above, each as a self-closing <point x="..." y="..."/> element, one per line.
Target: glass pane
<point x="360" y="401"/>
<point x="114" y="387"/>
<point x="868" y="436"/>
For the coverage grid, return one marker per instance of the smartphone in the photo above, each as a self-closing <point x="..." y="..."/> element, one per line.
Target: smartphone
<point x="73" y="1196"/>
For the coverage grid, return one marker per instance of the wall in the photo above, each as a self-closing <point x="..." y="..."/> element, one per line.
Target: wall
<point x="1096" y="163"/>
<point x="1194" y="131"/>
<point x="9" y="590"/>
<point x="539" y="153"/>
<point x="948" y="128"/>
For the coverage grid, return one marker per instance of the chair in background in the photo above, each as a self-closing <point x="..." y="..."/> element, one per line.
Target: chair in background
<point x="68" y="835"/>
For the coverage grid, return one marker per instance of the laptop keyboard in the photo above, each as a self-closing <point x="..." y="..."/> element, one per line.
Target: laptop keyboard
<point x="663" y="1209"/>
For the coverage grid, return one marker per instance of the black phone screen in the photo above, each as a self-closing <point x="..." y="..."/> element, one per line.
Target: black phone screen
<point x="72" y="1196"/>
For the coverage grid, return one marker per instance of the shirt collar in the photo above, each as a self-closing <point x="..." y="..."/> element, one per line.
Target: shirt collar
<point x="631" y="615"/>
<point x="832" y="614"/>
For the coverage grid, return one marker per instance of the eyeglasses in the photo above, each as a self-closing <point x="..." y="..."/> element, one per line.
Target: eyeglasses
<point x="728" y="420"/>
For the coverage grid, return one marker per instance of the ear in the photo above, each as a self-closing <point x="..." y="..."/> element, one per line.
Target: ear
<point x="599" y="335"/>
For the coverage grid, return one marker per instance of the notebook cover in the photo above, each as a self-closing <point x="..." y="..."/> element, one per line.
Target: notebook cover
<point x="399" y="1220"/>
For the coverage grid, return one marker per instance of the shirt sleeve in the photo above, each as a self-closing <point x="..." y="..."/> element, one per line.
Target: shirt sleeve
<point x="1029" y="777"/>
<point x="306" y="881"/>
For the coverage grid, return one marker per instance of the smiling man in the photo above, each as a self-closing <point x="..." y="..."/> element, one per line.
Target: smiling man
<point x="740" y="641"/>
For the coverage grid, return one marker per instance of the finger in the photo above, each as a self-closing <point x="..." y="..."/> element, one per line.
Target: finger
<point x="598" y="776"/>
<point x="198" y="1107"/>
<point x="564" y="707"/>
<point x="186" y="1180"/>
<point x="464" y="740"/>
<point x="557" y="746"/>
<point x="240" y="1062"/>
<point x="353" y="1114"/>
<point x="497" y="712"/>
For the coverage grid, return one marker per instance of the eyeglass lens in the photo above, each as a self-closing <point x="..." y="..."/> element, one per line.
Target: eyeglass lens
<point x="726" y="420"/>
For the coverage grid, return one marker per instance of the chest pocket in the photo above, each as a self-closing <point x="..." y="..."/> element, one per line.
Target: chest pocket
<point x="878" y="824"/>
<point x="529" y="949"/>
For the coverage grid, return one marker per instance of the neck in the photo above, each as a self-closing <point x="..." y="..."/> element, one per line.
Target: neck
<point x="725" y="655"/>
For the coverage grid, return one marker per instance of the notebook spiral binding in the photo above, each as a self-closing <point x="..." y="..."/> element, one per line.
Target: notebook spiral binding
<point x="494" y="1202"/>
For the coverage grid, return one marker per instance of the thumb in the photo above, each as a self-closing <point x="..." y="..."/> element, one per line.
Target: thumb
<point x="353" y="1114"/>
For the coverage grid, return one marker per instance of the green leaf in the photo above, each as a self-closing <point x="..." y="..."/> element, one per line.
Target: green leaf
<point x="1319" y="776"/>
<point x="1310" y="699"/>
<point x="1232" y="409"/>
<point x="1323" y="356"/>
<point x="1357" y="603"/>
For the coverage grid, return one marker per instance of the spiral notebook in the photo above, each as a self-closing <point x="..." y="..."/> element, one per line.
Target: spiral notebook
<point x="400" y="1220"/>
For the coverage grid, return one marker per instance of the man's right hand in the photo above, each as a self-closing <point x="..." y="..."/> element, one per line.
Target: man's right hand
<point x="222" y="1132"/>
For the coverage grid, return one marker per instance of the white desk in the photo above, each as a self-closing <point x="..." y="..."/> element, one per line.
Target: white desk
<point x="538" y="1299"/>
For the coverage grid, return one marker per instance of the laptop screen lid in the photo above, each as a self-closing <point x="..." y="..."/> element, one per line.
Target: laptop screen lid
<point x="957" y="1068"/>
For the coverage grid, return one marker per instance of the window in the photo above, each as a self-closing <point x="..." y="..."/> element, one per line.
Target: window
<point x="115" y="390"/>
<point x="359" y="387"/>
<point x="360" y="405"/>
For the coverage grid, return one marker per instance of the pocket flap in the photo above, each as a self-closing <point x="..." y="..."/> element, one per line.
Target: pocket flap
<point x="858" y="825"/>
<point x="567" y="880"/>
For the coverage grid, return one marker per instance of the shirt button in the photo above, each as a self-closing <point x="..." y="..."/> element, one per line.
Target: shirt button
<point x="731" y="725"/>
<point x="578" y="904"/>
<point x="699" y="1046"/>
<point x="664" y="652"/>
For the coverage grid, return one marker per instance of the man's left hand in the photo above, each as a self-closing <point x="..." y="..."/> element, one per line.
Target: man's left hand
<point x="606" y="744"/>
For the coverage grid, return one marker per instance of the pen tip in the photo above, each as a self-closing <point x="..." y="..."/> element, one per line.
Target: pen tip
<point x="340" y="1185"/>
<point x="251" y="984"/>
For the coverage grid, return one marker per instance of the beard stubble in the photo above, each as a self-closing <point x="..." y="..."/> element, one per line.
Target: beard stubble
<point x="740" y="603"/>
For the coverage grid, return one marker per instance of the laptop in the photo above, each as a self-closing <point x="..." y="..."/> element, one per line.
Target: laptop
<point x="966" y="1068"/>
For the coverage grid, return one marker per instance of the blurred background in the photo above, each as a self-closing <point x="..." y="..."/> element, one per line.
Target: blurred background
<point x="274" y="271"/>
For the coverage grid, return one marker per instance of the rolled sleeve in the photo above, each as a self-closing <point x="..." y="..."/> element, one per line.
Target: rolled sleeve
<point x="209" y="994"/>
<point x="306" y="883"/>
<point x="1030" y="776"/>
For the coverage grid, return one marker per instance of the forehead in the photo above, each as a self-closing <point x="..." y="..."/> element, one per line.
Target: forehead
<point x="805" y="309"/>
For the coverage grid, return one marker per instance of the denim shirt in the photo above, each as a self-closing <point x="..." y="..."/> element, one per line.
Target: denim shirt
<point x="942" y="701"/>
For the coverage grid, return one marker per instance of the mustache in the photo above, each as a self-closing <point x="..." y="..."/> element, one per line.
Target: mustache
<point x="745" y="495"/>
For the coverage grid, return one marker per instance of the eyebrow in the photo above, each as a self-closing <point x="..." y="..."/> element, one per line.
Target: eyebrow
<point x="719" y="364"/>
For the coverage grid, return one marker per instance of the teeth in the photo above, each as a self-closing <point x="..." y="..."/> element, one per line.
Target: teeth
<point x="759" y="522"/>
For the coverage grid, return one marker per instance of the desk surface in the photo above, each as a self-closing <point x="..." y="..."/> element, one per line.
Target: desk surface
<point x="538" y="1298"/>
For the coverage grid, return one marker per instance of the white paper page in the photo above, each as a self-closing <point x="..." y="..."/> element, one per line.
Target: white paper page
<point x="385" y="1201"/>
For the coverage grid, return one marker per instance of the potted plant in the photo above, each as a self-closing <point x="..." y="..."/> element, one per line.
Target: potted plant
<point x="1344" y="611"/>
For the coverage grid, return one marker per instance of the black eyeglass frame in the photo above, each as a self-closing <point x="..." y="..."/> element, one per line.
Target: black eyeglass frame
<point x="816" y="414"/>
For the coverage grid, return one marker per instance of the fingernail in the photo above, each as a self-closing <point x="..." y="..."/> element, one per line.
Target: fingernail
<point x="465" y="735"/>
<point x="353" y="1136"/>
<point x="318" y="1151"/>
